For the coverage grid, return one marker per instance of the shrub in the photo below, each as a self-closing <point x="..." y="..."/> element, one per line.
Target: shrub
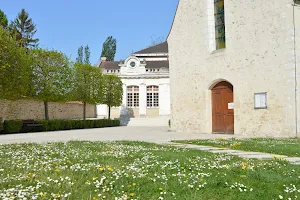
<point x="88" y="123"/>
<point x="12" y="126"/>
<point x="66" y="125"/>
<point x="44" y="123"/>
<point x="54" y="125"/>
<point x="98" y="123"/>
<point x="15" y="126"/>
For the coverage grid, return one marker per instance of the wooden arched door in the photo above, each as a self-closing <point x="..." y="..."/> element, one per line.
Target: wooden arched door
<point x="222" y="110"/>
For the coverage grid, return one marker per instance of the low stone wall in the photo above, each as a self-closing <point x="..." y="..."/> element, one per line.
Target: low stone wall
<point x="30" y="109"/>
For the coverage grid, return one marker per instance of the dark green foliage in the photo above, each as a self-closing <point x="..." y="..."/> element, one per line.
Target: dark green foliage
<point x="55" y="125"/>
<point x="3" y="19"/>
<point x="66" y="125"/>
<point x="13" y="126"/>
<point x="109" y="48"/>
<point x="87" y="55"/>
<point x="79" y="59"/>
<point x="24" y="29"/>
<point x="169" y="123"/>
<point x="83" y="57"/>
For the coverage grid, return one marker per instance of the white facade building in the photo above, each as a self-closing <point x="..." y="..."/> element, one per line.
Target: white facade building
<point x="146" y="88"/>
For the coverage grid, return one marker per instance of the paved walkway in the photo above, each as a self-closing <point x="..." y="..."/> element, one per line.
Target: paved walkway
<point x="158" y="135"/>
<point x="242" y="154"/>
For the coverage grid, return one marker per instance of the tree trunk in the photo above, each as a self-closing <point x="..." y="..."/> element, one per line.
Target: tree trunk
<point x="84" y="110"/>
<point x="46" y="110"/>
<point x="108" y="112"/>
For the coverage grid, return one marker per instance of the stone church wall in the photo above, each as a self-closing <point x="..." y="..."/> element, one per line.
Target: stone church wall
<point x="259" y="57"/>
<point x="29" y="109"/>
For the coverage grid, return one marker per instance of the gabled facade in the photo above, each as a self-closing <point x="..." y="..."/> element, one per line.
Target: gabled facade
<point x="234" y="67"/>
<point x="145" y="77"/>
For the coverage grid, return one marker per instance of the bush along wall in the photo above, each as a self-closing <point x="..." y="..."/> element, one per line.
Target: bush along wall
<point x="12" y="126"/>
<point x="16" y="126"/>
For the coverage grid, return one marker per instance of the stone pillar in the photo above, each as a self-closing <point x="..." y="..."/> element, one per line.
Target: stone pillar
<point x="164" y="99"/>
<point x="143" y="100"/>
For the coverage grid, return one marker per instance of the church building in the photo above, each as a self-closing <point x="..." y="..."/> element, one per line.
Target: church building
<point x="146" y="88"/>
<point x="235" y="67"/>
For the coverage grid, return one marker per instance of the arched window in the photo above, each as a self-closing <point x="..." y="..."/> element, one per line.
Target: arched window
<point x="133" y="96"/>
<point x="152" y="96"/>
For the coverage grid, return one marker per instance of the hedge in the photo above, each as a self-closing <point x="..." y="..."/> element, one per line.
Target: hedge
<point x="15" y="126"/>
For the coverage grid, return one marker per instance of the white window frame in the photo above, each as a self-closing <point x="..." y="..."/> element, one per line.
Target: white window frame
<point x="152" y="96"/>
<point x="133" y="96"/>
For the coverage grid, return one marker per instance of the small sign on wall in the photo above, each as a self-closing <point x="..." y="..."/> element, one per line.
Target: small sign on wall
<point x="260" y="100"/>
<point x="230" y="106"/>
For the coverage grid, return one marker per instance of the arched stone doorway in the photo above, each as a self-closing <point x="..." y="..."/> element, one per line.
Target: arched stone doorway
<point x="222" y="108"/>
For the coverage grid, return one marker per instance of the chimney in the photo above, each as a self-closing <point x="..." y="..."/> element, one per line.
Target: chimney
<point x="103" y="59"/>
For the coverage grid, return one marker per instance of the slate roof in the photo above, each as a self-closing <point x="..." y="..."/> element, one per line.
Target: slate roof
<point x="150" y="65"/>
<point x="160" y="48"/>
<point x="110" y="65"/>
<point x="157" y="64"/>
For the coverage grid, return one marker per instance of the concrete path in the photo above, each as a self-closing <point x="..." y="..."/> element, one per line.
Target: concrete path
<point x="158" y="135"/>
<point x="242" y="154"/>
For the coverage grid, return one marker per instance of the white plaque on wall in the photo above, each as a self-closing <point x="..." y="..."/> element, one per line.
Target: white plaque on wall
<point x="230" y="106"/>
<point x="260" y="100"/>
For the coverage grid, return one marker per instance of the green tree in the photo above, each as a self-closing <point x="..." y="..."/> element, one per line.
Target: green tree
<point x="3" y="19"/>
<point x="87" y="85"/>
<point x="87" y="55"/>
<point x="79" y="58"/>
<point x="52" y="77"/>
<point x="112" y="91"/>
<point x="24" y="29"/>
<point x="15" y="70"/>
<point x="109" y="48"/>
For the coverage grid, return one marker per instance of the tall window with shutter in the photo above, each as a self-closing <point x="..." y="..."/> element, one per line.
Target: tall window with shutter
<point x="220" y="24"/>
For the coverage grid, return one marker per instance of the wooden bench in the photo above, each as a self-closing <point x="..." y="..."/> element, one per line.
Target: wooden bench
<point x="30" y="123"/>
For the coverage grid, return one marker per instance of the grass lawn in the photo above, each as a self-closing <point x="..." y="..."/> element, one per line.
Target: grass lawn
<point x="128" y="170"/>
<point x="288" y="147"/>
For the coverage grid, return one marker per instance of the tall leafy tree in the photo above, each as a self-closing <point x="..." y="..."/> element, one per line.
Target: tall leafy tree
<point x="3" y="19"/>
<point x="24" y="29"/>
<point x="52" y="77"/>
<point x="15" y="69"/>
<point x="79" y="58"/>
<point x="112" y="92"/>
<point x="87" y="85"/>
<point x="87" y="55"/>
<point x="109" y="48"/>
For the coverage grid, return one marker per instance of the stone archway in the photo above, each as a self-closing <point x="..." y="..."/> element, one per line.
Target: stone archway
<point x="222" y="108"/>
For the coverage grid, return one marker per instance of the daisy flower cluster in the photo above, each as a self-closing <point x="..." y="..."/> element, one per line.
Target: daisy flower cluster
<point x="133" y="170"/>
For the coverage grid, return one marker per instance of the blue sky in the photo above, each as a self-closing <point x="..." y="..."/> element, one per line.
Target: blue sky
<point x="65" y="25"/>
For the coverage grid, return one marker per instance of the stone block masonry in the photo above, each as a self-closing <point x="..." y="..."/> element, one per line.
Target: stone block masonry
<point x="30" y="109"/>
